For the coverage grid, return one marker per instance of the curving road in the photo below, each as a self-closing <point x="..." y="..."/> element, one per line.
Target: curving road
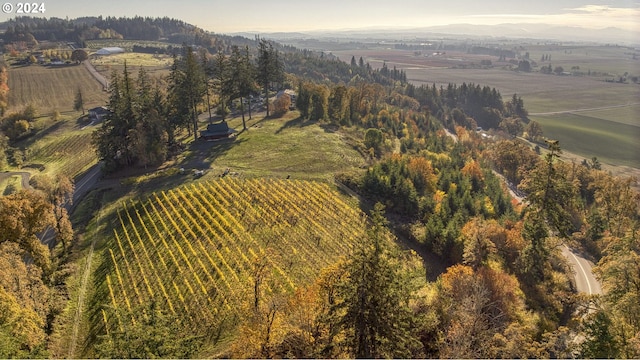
<point x="584" y="279"/>
<point x="586" y="282"/>
<point x="583" y="110"/>
<point x="82" y="187"/>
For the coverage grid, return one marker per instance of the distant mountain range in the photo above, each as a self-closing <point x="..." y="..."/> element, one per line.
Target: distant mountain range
<point x="520" y="31"/>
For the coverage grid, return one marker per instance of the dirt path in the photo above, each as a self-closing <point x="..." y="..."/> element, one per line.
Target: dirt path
<point x="583" y="110"/>
<point x="23" y="174"/>
<point x="101" y="79"/>
<point x="81" y="296"/>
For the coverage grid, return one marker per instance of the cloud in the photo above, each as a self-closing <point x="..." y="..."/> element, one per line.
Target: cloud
<point x="592" y="16"/>
<point x="605" y="9"/>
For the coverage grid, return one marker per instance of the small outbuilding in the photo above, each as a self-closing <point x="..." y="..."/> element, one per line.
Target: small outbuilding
<point x="98" y="113"/>
<point x="217" y="131"/>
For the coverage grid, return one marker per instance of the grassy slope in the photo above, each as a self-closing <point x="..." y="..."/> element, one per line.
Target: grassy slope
<point x="278" y="147"/>
<point x="270" y="148"/>
<point x="60" y="147"/>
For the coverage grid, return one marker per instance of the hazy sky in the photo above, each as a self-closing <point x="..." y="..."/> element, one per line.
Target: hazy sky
<point x="225" y="16"/>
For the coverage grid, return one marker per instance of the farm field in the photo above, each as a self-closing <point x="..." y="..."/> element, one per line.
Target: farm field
<point x="53" y="88"/>
<point x="134" y="60"/>
<point x="587" y="136"/>
<point x="586" y="133"/>
<point x="194" y="250"/>
<point x="125" y="44"/>
<point x="155" y="65"/>
<point x="612" y="60"/>
<point x="64" y="152"/>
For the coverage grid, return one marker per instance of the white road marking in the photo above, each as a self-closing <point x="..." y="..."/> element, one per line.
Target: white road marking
<point x="586" y="277"/>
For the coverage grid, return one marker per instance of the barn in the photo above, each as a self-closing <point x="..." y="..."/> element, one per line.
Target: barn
<point x="217" y="131"/>
<point x="110" y="51"/>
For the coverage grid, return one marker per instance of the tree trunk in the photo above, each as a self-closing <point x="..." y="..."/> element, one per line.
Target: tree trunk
<point x="195" y="122"/>
<point x="244" y="124"/>
<point x="209" y="104"/>
<point x="266" y="96"/>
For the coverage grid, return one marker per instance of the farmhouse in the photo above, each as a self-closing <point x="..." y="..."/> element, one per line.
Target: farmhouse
<point x="220" y="130"/>
<point x="291" y="93"/>
<point x="110" y="51"/>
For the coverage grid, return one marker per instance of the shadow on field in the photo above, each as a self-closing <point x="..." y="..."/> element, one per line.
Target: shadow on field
<point x="41" y="134"/>
<point x="298" y="122"/>
<point x="203" y="153"/>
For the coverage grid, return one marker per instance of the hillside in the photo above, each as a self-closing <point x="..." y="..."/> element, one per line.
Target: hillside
<point x="206" y="251"/>
<point x="234" y="242"/>
<point x="53" y="88"/>
<point x="32" y="30"/>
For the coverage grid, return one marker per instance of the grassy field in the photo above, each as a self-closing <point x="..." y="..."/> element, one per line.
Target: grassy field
<point x="278" y="147"/>
<point x="10" y="184"/>
<point x="134" y="60"/>
<point x="53" y="88"/>
<point x="125" y="44"/>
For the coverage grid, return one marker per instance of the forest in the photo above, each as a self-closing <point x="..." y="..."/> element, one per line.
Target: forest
<point x="498" y="287"/>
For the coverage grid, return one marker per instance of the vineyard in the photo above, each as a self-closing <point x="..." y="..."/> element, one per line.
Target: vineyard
<point x="200" y="250"/>
<point x="69" y="154"/>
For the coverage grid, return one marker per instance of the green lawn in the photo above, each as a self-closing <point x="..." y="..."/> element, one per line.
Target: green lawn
<point x="612" y="142"/>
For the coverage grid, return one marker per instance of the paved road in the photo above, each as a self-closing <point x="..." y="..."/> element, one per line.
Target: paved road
<point x="584" y="279"/>
<point x="82" y="187"/>
<point x="586" y="282"/>
<point x="583" y="110"/>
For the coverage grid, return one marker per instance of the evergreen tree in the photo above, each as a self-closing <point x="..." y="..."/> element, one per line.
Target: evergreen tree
<point x="78" y="103"/>
<point x="376" y="316"/>
<point x="112" y="140"/>
<point x="135" y="130"/>
<point x="600" y="342"/>
<point x="222" y="82"/>
<point x="186" y="89"/>
<point x="549" y="192"/>
<point x="270" y="68"/>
